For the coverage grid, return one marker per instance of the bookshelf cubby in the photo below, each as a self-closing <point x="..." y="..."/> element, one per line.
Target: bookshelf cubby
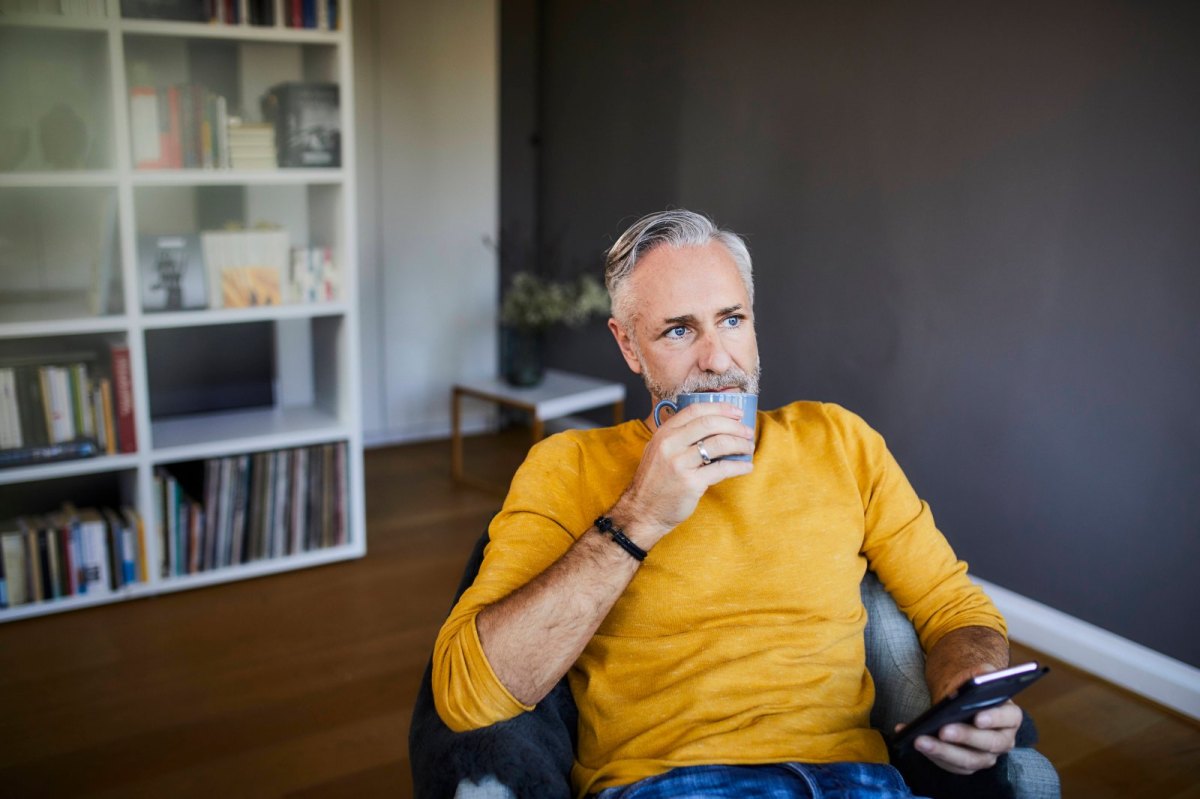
<point x="83" y="227"/>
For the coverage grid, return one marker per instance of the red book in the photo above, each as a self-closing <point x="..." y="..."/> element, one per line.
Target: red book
<point x="175" y="128"/>
<point x="69" y="555"/>
<point x="297" y="13"/>
<point x="123" y="391"/>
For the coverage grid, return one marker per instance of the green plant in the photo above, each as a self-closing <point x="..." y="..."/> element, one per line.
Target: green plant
<point x="536" y="303"/>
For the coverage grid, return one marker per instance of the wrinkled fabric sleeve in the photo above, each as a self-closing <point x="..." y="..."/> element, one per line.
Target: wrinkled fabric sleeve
<point x="539" y="521"/>
<point x="902" y="544"/>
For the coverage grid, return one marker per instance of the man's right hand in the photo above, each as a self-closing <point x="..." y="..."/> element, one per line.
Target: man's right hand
<point x="672" y="476"/>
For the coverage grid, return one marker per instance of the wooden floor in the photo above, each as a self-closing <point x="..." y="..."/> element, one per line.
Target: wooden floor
<point x="302" y="684"/>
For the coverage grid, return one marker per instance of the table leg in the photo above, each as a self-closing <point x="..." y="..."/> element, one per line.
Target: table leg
<point x="618" y="411"/>
<point x="539" y="428"/>
<point x="456" y="444"/>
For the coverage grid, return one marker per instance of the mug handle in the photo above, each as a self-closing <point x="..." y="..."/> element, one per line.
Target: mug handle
<point x="664" y="404"/>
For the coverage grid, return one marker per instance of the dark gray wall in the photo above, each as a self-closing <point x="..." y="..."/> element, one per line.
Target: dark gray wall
<point x="976" y="225"/>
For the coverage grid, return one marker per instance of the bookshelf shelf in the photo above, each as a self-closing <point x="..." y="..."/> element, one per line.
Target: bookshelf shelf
<point x="83" y="231"/>
<point x="249" y="33"/>
<point x="227" y="177"/>
<point x="68" y="325"/>
<point x="67" y="180"/>
<point x="55" y="22"/>
<point x="229" y="316"/>
<point x="213" y="435"/>
<point x="259" y="568"/>
<point x="50" y="471"/>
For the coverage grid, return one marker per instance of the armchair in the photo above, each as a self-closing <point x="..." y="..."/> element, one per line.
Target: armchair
<point x="530" y="756"/>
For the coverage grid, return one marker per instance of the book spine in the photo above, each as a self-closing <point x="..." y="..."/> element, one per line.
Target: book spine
<point x="315" y="478"/>
<point x="12" y="549"/>
<point x="49" y="453"/>
<point x="195" y="531"/>
<point x="207" y="131"/>
<point x="48" y="560"/>
<point x="34" y="566"/>
<point x="145" y="128"/>
<point x="341" y="522"/>
<point x="70" y="557"/>
<point x="122" y="375"/>
<point x="63" y="412"/>
<point x="279" y="495"/>
<point x="85" y="423"/>
<point x="10" y="402"/>
<point x="225" y="522"/>
<point x="97" y="532"/>
<point x="168" y="524"/>
<point x="107" y="411"/>
<point x="175" y="127"/>
<point x="128" y="552"/>
<point x="299" y="499"/>
<point x="112" y="541"/>
<point x="78" y="554"/>
<point x="182" y="519"/>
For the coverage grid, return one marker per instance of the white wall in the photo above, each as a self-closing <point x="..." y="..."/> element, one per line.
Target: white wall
<point x="426" y="78"/>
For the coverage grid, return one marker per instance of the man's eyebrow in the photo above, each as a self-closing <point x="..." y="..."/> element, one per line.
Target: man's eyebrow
<point x="688" y="319"/>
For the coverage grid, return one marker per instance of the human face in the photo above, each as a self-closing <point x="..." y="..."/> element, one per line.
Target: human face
<point x="693" y="327"/>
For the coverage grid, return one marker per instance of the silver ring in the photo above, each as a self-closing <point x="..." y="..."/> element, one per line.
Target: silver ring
<point x="703" y="453"/>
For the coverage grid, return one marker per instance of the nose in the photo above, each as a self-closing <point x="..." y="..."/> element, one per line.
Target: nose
<point x="713" y="356"/>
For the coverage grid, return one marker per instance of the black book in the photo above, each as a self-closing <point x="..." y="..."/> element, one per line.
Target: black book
<point x="33" y="412"/>
<point x="308" y="130"/>
<point x="47" y="453"/>
<point x="179" y="10"/>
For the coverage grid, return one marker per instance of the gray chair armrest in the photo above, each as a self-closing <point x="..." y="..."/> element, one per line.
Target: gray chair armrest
<point x="897" y="665"/>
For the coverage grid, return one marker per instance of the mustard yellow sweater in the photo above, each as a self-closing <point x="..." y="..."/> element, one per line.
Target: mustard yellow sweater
<point x="740" y="638"/>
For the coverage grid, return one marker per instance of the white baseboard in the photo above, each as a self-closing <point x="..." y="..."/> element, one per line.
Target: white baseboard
<point x="387" y="438"/>
<point x="1118" y="660"/>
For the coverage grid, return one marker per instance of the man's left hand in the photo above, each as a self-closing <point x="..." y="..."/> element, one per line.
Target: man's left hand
<point x="967" y="748"/>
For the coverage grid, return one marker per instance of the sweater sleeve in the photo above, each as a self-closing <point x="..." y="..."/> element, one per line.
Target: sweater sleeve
<point x="903" y="546"/>
<point x="534" y="528"/>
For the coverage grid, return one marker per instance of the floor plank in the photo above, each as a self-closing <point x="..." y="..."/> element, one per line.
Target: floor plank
<point x="302" y="684"/>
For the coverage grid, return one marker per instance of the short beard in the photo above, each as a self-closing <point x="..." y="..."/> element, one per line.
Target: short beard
<point x="747" y="383"/>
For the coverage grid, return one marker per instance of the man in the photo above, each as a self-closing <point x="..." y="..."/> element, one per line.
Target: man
<point x="729" y="661"/>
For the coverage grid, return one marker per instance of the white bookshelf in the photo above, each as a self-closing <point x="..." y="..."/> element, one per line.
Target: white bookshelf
<point x="89" y="65"/>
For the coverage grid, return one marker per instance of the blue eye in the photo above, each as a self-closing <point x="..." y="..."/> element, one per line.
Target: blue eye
<point x="733" y="321"/>
<point x="677" y="332"/>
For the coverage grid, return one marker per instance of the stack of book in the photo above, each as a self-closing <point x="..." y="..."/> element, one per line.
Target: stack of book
<point x="251" y="145"/>
<point x="178" y="127"/>
<point x="70" y="553"/>
<point x="229" y="511"/>
<point x="245" y="267"/>
<point x="58" y="407"/>
<point x="314" y="276"/>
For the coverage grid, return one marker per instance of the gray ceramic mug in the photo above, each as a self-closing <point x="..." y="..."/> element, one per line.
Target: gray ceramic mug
<point x="748" y="403"/>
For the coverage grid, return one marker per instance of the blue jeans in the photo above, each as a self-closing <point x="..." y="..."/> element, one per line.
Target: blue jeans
<point x="773" y="781"/>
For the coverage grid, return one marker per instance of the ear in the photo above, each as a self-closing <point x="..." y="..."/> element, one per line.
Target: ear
<point x="626" y="345"/>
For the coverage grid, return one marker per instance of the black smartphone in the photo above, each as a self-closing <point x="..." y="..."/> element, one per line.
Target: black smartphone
<point x="974" y="696"/>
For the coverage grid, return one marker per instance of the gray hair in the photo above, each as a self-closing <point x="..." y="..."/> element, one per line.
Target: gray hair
<point x="674" y="229"/>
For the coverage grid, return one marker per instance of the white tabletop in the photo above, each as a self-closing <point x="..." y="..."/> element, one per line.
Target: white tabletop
<point x="559" y="394"/>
